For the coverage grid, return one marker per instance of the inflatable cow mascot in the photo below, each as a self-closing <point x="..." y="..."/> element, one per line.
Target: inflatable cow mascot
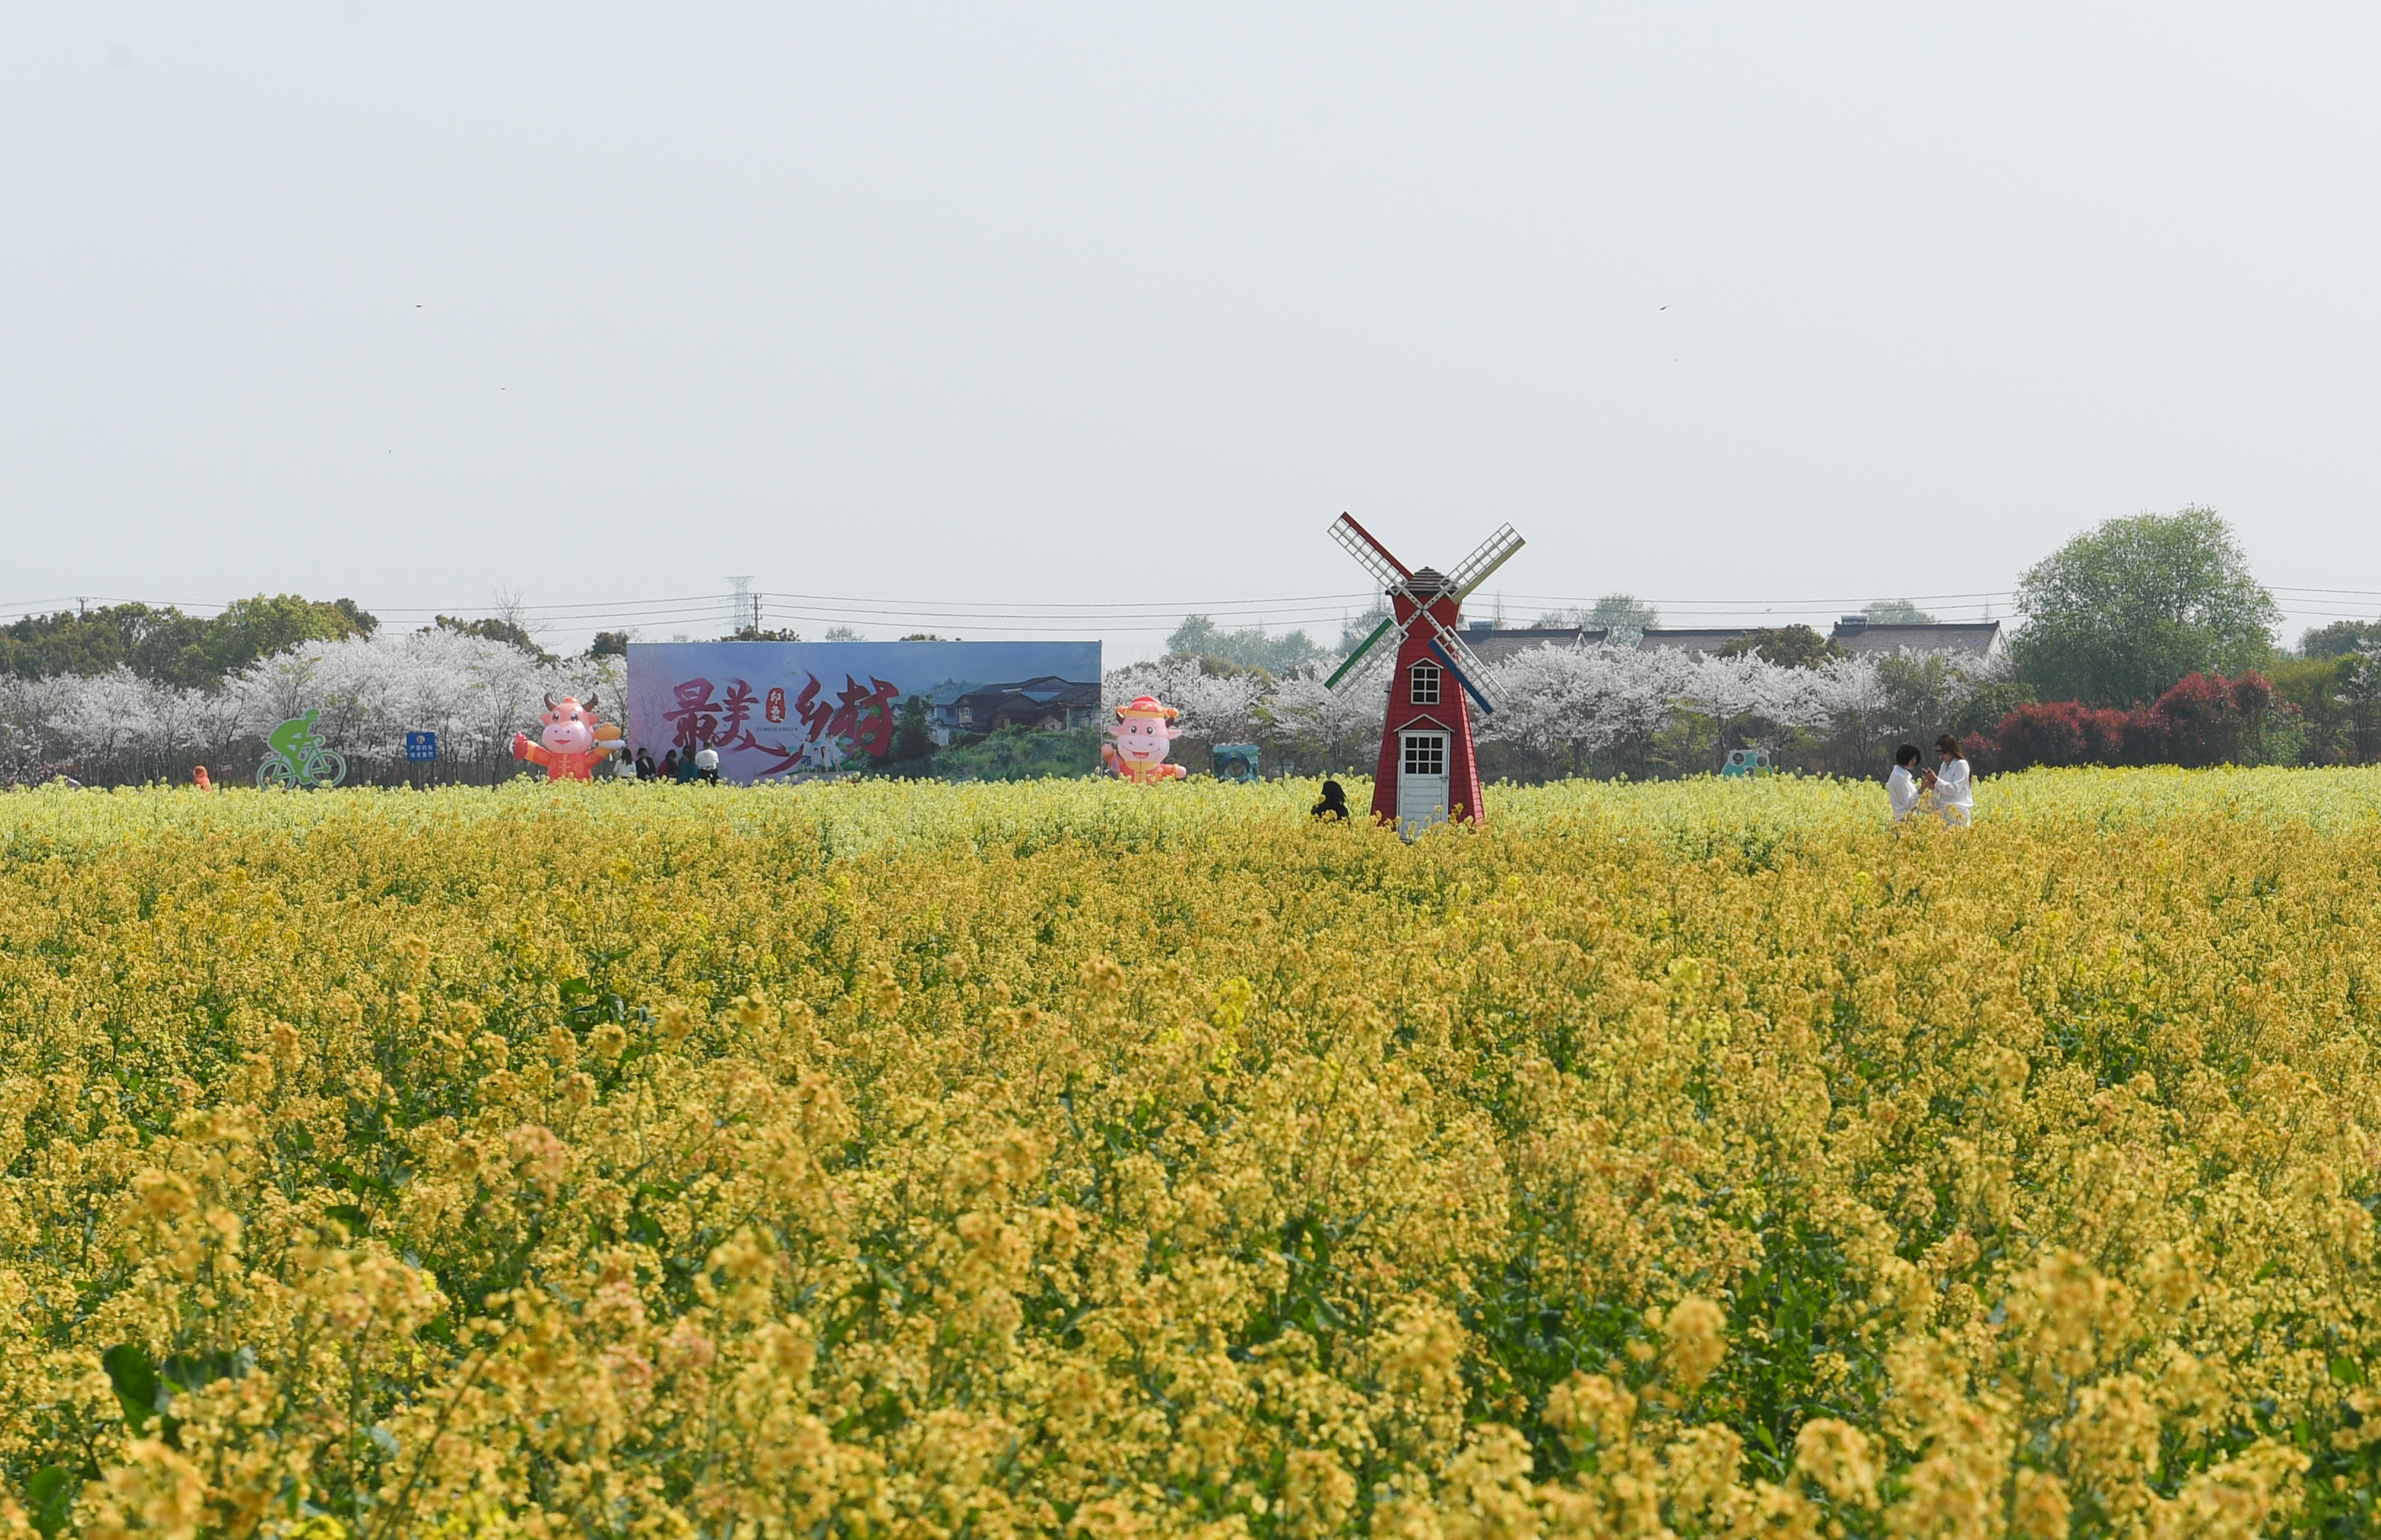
<point x="571" y="743"/>
<point x="1144" y="733"/>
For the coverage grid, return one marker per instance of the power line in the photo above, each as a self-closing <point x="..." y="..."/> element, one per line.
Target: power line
<point x="1287" y="612"/>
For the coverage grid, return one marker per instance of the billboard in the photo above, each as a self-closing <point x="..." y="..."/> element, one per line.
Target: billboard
<point x="798" y="710"/>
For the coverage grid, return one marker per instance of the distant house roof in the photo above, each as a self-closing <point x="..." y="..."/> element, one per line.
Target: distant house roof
<point x="1044" y="702"/>
<point x="1857" y="634"/>
<point x="1659" y="639"/>
<point x="1495" y="646"/>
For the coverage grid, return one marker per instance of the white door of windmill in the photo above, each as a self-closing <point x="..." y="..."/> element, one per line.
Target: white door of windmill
<point x="1421" y="780"/>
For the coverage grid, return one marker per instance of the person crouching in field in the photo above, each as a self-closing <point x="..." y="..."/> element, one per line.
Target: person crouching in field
<point x="1902" y="787"/>
<point x="1333" y="806"/>
<point x="1952" y="789"/>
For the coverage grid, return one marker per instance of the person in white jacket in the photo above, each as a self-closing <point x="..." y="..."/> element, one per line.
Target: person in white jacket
<point x="1901" y="788"/>
<point x="1955" y="796"/>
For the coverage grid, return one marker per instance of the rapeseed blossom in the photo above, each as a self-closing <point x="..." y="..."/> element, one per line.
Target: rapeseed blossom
<point x="1690" y="1159"/>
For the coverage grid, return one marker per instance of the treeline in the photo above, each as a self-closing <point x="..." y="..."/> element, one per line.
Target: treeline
<point x="2145" y="641"/>
<point x="1600" y="710"/>
<point x="2148" y="641"/>
<point x="118" y="726"/>
<point x="165" y="646"/>
<point x="2330" y="715"/>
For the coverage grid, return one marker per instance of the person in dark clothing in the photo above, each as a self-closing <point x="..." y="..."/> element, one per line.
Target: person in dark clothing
<point x="1335" y="801"/>
<point x="687" y="770"/>
<point x="645" y="764"/>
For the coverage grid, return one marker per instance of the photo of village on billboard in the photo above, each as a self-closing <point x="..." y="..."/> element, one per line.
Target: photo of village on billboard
<point x="808" y="709"/>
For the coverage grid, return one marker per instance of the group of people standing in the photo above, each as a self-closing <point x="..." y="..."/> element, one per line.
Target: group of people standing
<point x="1946" y="791"/>
<point x="699" y="764"/>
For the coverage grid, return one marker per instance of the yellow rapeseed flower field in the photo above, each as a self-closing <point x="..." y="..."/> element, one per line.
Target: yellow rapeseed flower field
<point x="1695" y="1159"/>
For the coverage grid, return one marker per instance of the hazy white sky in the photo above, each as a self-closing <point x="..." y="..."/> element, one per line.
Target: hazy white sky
<point x="1120" y="305"/>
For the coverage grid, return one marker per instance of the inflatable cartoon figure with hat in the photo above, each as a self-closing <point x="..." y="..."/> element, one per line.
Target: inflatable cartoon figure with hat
<point x="1143" y="731"/>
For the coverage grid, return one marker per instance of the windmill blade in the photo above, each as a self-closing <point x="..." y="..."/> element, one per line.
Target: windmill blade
<point x="1494" y="553"/>
<point x="1460" y="677"/>
<point x="1348" y="664"/>
<point x="1470" y="672"/>
<point x="1371" y="555"/>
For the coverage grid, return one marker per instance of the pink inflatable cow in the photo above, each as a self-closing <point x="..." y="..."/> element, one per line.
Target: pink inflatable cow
<point x="1143" y="731"/>
<point x="572" y="743"/>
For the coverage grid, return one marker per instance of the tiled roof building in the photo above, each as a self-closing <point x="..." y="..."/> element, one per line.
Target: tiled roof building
<point x="1854" y="633"/>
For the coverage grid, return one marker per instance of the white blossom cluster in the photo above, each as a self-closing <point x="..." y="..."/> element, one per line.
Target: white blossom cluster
<point x="370" y="690"/>
<point x="1566" y="703"/>
<point x="1569" y="701"/>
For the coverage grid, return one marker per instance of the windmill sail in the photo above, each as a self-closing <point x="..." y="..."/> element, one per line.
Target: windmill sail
<point x="1473" y="570"/>
<point x="1371" y="555"/>
<point x="1470" y="672"/>
<point x="1460" y="677"/>
<point x="1348" y="663"/>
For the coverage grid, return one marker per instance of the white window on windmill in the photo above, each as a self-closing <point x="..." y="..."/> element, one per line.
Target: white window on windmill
<point x="1426" y="757"/>
<point x="1423" y="688"/>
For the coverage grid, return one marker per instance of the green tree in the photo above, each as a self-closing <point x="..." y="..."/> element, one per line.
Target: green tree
<point x="2116" y="616"/>
<point x="1787" y="646"/>
<point x="259" y="627"/>
<point x="609" y="644"/>
<point x="1251" y="647"/>
<point x="2339" y="639"/>
<point x="72" y="641"/>
<point x="496" y="628"/>
<point x="165" y="644"/>
<point x="1895" y="611"/>
<point x="1352" y="632"/>
<point x="1622" y="617"/>
<point x="913" y="734"/>
<point x="1983" y="710"/>
<point x="92" y="641"/>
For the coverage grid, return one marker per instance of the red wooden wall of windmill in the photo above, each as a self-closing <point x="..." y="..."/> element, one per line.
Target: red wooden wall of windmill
<point x="1452" y="713"/>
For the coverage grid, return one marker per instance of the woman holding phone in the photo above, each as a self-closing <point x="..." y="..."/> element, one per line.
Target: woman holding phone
<point x="1954" y="790"/>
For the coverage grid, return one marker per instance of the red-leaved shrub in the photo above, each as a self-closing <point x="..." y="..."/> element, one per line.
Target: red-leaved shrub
<point x="2207" y="719"/>
<point x="2204" y="719"/>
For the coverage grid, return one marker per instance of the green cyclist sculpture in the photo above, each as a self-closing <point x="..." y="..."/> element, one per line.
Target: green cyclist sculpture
<point x="300" y="757"/>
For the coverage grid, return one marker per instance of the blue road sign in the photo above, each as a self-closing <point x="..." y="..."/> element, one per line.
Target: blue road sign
<point x="421" y="745"/>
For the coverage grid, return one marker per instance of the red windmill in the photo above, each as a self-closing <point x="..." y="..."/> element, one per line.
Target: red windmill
<point x="1427" y="771"/>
